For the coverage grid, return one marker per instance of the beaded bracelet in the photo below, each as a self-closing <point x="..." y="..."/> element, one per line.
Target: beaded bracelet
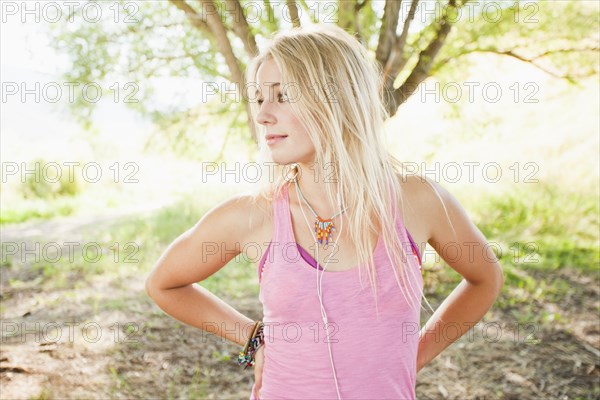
<point x="254" y="342"/>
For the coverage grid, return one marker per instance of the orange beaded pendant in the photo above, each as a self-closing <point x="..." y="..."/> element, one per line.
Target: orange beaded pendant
<point x="324" y="229"/>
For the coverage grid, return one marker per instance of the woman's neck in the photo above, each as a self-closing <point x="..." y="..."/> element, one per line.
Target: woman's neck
<point x="313" y="184"/>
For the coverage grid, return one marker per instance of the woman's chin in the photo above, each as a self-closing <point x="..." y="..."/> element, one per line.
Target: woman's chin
<point x="279" y="160"/>
<point x="283" y="157"/>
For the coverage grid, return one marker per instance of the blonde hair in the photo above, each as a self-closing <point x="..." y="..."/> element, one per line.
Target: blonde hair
<point x="345" y="124"/>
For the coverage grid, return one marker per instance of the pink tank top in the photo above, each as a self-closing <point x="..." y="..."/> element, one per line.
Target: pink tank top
<point x="374" y="354"/>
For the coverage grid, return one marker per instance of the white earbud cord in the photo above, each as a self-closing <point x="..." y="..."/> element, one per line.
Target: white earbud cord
<point x="320" y="281"/>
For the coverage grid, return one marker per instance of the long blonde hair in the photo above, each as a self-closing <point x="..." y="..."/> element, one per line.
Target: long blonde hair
<point x="345" y="124"/>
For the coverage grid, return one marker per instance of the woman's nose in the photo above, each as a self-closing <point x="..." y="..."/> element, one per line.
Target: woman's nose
<point x="264" y="116"/>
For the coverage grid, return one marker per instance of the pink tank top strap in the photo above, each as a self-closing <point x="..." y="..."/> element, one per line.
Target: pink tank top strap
<point x="281" y="231"/>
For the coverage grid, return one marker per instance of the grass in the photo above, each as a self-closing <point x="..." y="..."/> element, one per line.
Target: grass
<point x="546" y="227"/>
<point x="45" y="394"/>
<point x="131" y="247"/>
<point x="199" y="387"/>
<point x="38" y="209"/>
<point x="547" y="230"/>
<point x="541" y="232"/>
<point x="39" y="200"/>
<point x="22" y="205"/>
<point x="541" y="228"/>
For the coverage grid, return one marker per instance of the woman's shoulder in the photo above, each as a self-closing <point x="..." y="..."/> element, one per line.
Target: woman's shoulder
<point x="432" y="204"/>
<point x="249" y="213"/>
<point x="417" y="187"/>
<point x="422" y="197"/>
<point x="256" y="206"/>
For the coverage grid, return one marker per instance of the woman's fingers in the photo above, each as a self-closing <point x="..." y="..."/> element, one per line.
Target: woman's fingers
<point x="258" y="369"/>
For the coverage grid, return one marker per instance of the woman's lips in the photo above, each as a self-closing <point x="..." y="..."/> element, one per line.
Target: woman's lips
<point x="271" y="140"/>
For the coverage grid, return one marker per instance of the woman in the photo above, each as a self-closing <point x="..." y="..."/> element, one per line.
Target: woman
<point x="341" y="229"/>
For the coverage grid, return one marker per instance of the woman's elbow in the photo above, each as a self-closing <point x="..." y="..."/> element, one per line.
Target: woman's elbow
<point x="499" y="281"/>
<point x="151" y="285"/>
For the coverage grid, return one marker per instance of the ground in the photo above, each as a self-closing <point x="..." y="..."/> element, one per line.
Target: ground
<point x="131" y="349"/>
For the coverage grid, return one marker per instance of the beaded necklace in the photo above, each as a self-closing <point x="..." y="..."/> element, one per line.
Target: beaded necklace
<point x="323" y="227"/>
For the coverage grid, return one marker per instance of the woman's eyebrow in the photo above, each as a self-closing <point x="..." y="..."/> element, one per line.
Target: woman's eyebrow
<point x="271" y="86"/>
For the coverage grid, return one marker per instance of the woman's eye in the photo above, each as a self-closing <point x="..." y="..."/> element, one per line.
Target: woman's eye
<point x="280" y="97"/>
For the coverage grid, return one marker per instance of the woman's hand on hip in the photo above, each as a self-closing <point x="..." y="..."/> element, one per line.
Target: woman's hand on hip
<point x="258" y="370"/>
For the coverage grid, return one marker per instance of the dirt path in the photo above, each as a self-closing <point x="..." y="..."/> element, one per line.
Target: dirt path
<point x="54" y="342"/>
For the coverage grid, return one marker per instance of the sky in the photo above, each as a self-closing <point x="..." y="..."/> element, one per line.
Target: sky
<point x="27" y="59"/>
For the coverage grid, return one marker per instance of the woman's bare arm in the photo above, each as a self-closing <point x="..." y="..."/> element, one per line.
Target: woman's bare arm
<point x="469" y="254"/>
<point x="194" y="256"/>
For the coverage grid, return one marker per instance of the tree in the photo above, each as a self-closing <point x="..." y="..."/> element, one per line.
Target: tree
<point x="410" y="39"/>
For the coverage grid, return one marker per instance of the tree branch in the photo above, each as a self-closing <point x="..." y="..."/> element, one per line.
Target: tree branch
<point x="397" y="61"/>
<point x="214" y="28"/>
<point x="293" y="13"/>
<point x="308" y="11"/>
<point x="529" y="60"/>
<point x="357" y="25"/>
<point x="241" y="28"/>
<point x="271" y="21"/>
<point x="348" y="17"/>
<point x="360" y="5"/>
<point x="421" y="69"/>
<point x="217" y="30"/>
<point x="387" y="33"/>
<point x="196" y="19"/>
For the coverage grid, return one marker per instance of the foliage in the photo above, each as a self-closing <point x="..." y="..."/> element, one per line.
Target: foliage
<point x="47" y="181"/>
<point x="156" y="40"/>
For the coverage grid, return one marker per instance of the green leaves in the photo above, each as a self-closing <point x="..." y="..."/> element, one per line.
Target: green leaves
<point x="137" y="45"/>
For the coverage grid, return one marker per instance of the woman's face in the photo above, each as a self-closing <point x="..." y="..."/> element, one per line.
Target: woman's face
<point x="275" y="113"/>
